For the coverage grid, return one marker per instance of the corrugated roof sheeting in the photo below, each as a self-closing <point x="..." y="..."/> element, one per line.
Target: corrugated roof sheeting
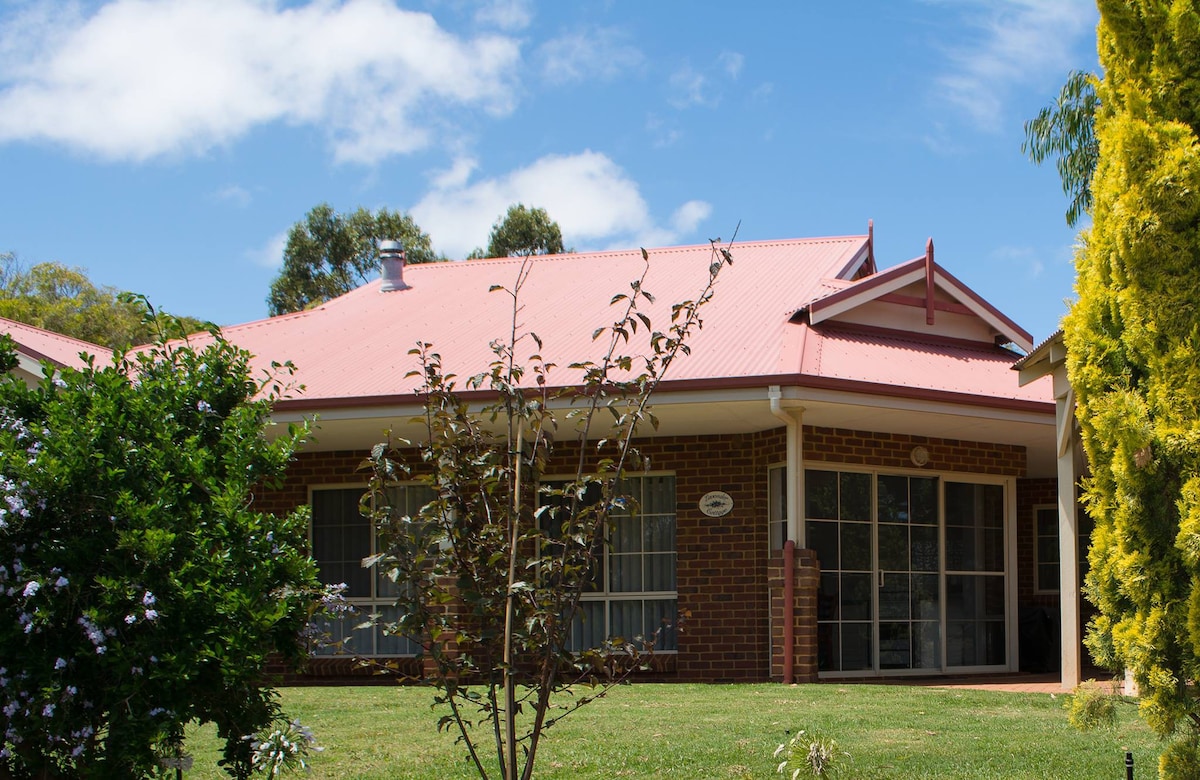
<point x="357" y="345"/>
<point x="62" y="350"/>
<point x="899" y="360"/>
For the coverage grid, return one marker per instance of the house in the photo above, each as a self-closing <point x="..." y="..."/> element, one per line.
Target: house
<point x="847" y="479"/>
<point x="869" y="416"/>
<point x="35" y="346"/>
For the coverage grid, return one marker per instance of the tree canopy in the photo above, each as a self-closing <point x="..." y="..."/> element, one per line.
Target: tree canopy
<point x="1133" y="340"/>
<point x="523" y="231"/>
<point x="55" y="297"/>
<point x="329" y="254"/>
<point x="1066" y="131"/>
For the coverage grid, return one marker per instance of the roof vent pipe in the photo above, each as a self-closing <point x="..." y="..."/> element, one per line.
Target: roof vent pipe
<point x="391" y="266"/>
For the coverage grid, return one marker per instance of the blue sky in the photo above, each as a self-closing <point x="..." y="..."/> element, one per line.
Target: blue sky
<point x="167" y="147"/>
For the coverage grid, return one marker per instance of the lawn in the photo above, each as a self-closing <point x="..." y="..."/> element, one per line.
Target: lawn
<point x="729" y="731"/>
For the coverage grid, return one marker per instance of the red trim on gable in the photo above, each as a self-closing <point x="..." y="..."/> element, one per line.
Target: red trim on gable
<point x="919" y="303"/>
<point x="978" y="299"/>
<point x="929" y="288"/>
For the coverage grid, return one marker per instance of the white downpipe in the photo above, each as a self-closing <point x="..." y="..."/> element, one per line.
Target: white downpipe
<point x="792" y="481"/>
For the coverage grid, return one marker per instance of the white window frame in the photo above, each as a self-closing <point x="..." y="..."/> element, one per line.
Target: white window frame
<point x="608" y="596"/>
<point x="1037" y="562"/>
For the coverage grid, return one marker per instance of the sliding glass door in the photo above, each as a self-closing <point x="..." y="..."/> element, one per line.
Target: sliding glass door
<point x="912" y="571"/>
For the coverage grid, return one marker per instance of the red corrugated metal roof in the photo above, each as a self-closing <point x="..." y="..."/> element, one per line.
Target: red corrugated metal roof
<point x="41" y="344"/>
<point x="356" y="346"/>
<point x="910" y="361"/>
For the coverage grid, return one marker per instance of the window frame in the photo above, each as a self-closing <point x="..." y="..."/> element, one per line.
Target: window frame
<point x="1037" y="561"/>
<point x="375" y="602"/>
<point x="606" y="595"/>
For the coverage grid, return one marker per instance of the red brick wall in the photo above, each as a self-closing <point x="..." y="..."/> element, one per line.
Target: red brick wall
<point x="723" y="563"/>
<point x="894" y="450"/>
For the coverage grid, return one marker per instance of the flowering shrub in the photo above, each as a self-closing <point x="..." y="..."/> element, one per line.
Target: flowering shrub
<point x="139" y="590"/>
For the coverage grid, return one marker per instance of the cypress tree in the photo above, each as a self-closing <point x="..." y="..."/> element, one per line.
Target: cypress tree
<point x="1133" y="340"/>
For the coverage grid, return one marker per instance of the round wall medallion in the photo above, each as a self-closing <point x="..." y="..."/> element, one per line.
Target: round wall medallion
<point x="919" y="456"/>
<point x="716" y="503"/>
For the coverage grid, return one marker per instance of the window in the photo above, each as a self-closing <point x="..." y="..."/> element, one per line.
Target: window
<point x="633" y="591"/>
<point x="341" y="538"/>
<point x="777" y="518"/>
<point x="1045" y="549"/>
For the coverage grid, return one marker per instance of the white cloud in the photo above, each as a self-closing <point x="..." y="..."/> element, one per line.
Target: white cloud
<point x="509" y="15"/>
<point x="602" y="54"/>
<point x="731" y="62"/>
<point x="139" y="79"/>
<point x="235" y="194"/>
<point x="593" y="200"/>
<point x="270" y="254"/>
<point x="690" y="87"/>
<point x="1018" y="41"/>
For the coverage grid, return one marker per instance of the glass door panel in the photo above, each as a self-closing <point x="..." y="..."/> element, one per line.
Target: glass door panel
<point x="975" y="583"/>
<point x="907" y="544"/>
<point x="838" y="509"/>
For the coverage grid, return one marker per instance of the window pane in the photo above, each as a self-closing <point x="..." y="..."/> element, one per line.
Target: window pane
<point x="625" y="573"/>
<point x="856" y="596"/>
<point x="893" y="499"/>
<point x="625" y="620"/>
<point x="894" y="597"/>
<point x="662" y="615"/>
<point x="893" y="547"/>
<point x="820" y="495"/>
<point x="895" y="649"/>
<point x="658" y="533"/>
<point x="925" y="597"/>
<point x="587" y="629"/>
<point x="856" y="546"/>
<point x="856" y="646"/>
<point x="341" y="539"/>
<point x="829" y="647"/>
<point x="823" y="539"/>
<point x="660" y="572"/>
<point x="828" y="596"/>
<point x="391" y="644"/>
<point x="924" y="548"/>
<point x="626" y="534"/>
<point x="923" y="495"/>
<point x="855" y="496"/>
<point x="658" y="495"/>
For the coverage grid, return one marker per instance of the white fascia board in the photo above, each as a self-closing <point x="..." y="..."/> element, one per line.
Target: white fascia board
<point x="963" y="296"/>
<point x="864" y="296"/>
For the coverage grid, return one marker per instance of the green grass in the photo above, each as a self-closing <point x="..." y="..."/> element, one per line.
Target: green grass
<point x="728" y="731"/>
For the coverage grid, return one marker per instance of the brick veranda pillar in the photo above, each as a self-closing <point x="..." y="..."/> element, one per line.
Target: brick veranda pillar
<point x="803" y="615"/>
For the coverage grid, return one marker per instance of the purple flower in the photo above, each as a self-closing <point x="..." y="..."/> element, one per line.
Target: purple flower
<point x="148" y="599"/>
<point x="61" y="663"/>
<point x="151" y="614"/>
<point x="61" y="583"/>
<point x="32" y="588"/>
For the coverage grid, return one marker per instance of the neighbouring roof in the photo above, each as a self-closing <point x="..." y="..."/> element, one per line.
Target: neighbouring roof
<point x="35" y="345"/>
<point x="791" y="312"/>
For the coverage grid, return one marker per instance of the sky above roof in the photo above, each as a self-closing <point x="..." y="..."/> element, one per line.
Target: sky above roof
<point x="168" y="146"/>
